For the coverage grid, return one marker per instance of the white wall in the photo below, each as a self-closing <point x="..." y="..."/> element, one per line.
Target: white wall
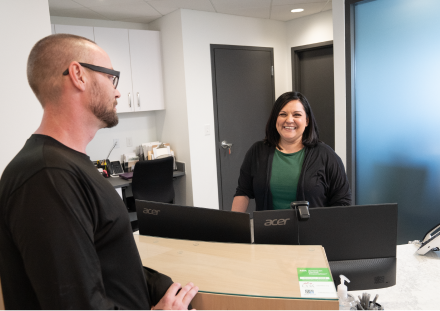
<point x="22" y="24"/>
<point x="139" y="126"/>
<point x="200" y="29"/>
<point x="308" y="30"/>
<point x="172" y="123"/>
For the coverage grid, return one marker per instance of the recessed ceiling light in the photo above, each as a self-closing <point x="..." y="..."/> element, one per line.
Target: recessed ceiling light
<point x="297" y="10"/>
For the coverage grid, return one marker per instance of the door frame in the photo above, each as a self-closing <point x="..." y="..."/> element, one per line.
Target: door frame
<point x="295" y="59"/>
<point x="350" y="95"/>
<point x="213" y="47"/>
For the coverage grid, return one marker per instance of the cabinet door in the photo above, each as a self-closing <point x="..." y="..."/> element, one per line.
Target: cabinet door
<point x="83" y="31"/>
<point x="115" y="43"/>
<point x="146" y="66"/>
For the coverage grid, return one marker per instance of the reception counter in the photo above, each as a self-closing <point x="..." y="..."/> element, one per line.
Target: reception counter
<point x="242" y="276"/>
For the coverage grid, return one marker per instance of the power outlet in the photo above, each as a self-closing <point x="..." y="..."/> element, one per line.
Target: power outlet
<point x="116" y="141"/>
<point x="207" y="130"/>
<point x="129" y="142"/>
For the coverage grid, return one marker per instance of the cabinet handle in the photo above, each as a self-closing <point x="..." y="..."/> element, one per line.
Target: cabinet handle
<point x="139" y="100"/>
<point x="129" y="100"/>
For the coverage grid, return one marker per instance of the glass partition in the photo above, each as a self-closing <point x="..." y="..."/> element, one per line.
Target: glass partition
<point x="397" y="105"/>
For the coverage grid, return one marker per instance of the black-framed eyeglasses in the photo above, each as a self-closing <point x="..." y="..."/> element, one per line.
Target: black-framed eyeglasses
<point x="111" y="72"/>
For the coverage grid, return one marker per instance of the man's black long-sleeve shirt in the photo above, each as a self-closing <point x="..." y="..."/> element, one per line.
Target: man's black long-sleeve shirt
<point x="65" y="237"/>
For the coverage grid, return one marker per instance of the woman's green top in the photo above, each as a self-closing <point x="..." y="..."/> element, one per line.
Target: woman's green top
<point x="286" y="168"/>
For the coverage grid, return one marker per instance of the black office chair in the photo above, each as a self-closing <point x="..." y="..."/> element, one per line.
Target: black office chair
<point x="153" y="180"/>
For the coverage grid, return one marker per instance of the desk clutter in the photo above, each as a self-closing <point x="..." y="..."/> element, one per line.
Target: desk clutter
<point x="147" y="151"/>
<point x="126" y="176"/>
<point x="364" y="303"/>
<point x="108" y="168"/>
<point x="348" y="302"/>
<point x="129" y="160"/>
<point x="157" y="150"/>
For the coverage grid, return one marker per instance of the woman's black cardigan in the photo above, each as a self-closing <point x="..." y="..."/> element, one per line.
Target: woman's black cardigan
<point x="322" y="182"/>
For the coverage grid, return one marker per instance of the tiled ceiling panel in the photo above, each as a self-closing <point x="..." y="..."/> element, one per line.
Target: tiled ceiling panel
<point x="241" y="4"/>
<point x="250" y="8"/>
<point x="146" y="11"/>
<point x="94" y="3"/>
<point x="284" y="2"/>
<point x="328" y="6"/>
<point x="168" y="6"/>
<point x="282" y="12"/>
<point x="249" y="12"/>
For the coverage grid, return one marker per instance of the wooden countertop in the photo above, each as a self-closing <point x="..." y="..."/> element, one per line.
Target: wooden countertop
<point x="231" y="268"/>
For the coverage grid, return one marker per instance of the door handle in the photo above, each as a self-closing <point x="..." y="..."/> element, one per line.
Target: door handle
<point x="225" y="145"/>
<point x="129" y="100"/>
<point x="139" y="100"/>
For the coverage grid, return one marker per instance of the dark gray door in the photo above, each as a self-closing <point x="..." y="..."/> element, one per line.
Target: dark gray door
<point x="313" y="76"/>
<point x="243" y="87"/>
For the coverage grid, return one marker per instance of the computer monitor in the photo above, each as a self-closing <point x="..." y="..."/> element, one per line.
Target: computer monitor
<point x="360" y="241"/>
<point x="192" y="223"/>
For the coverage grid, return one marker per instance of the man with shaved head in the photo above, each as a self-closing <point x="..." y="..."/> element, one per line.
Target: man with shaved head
<point x="65" y="237"/>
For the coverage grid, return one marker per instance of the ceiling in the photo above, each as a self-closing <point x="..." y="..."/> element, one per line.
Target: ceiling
<point x="146" y="11"/>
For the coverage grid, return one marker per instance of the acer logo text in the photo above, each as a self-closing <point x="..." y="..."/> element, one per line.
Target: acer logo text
<point x="276" y="222"/>
<point x="151" y="211"/>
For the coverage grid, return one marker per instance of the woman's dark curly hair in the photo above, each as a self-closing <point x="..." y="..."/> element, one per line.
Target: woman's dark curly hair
<point x="310" y="136"/>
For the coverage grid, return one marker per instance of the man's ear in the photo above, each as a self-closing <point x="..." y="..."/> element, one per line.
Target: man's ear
<point x="77" y="76"/>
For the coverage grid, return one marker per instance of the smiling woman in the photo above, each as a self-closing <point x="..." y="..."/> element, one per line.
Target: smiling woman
<point x="291" y="163"/>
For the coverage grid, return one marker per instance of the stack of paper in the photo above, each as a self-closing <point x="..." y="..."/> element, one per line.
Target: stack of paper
<point x="161" y="152"/>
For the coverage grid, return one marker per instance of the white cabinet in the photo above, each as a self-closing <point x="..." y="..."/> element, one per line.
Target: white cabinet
<point x="115" y="43"/>
<point x="137" y="55"/>
<point x="146" y="70"/>
<point x="83" y="31"/>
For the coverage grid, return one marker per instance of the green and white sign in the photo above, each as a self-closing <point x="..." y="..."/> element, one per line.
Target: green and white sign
<point x="316" y="283"/>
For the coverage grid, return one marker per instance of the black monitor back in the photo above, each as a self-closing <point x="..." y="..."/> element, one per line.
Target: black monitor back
<point x="360" y="241"/>
<point x="192" y="223"/>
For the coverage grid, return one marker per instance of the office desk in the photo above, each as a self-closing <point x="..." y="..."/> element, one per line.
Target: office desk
<point x="237" y="276"/>
<point x="118" y="182"/>
<point x="417" y="284"/>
